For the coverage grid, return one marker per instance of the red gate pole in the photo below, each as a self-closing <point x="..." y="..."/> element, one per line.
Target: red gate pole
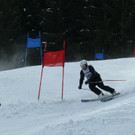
<point x="63" y="71"/>
<point x="41" y="74"/>
<point x="40" y="83"/>
<point x="62" y="83"/>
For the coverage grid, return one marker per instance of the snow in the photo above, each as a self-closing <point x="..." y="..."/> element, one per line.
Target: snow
<point x="22" y="114"/>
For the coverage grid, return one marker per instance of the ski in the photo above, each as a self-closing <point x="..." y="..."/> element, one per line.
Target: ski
<point x="109" y="97"/>
<point x="106" y="98"/>
<point x="90" y="100"/>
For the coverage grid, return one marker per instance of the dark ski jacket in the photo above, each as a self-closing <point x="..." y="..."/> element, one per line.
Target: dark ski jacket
<point x="93" y="75"/>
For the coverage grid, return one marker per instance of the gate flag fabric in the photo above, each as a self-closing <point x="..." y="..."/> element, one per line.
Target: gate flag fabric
<point x="53" y="59"/>
<point x="99" y="55"/>
<point x="33" y="43"/>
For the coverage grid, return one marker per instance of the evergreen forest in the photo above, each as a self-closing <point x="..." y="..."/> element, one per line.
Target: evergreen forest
<point x="85" y="25"/>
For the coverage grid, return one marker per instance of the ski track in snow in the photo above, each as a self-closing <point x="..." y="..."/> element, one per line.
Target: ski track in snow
<point x="22" y="114"/>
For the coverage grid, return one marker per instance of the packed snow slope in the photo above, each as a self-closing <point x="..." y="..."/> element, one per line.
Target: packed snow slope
<point x="22" y="114"/>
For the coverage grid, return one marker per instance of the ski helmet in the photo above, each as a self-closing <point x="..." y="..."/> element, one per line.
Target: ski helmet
<point x="83" y="63"/>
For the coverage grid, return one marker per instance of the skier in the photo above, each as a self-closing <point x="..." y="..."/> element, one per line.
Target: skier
<point x="92" y="76"/>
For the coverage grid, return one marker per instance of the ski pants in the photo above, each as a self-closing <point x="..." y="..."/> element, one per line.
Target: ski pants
<point x="97" y="91"/>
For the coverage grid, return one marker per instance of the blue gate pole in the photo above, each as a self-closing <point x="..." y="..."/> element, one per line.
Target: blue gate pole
<point x="41" y="55"/>
<point x="26" y="57"/>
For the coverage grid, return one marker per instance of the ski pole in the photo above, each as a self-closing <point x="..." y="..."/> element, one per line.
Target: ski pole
<point x="102" y="82"/>
<point x="115" y="80"/>
<point x="106" y="81"/>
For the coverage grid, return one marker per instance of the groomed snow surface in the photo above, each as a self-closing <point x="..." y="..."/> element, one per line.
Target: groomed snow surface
<point x="22" y="114"/>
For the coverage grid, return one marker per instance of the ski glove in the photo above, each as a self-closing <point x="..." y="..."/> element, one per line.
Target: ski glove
<point x="87" y="82"/>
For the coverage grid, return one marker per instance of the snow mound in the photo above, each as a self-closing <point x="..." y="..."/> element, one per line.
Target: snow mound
<point x="22" y="114"/>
